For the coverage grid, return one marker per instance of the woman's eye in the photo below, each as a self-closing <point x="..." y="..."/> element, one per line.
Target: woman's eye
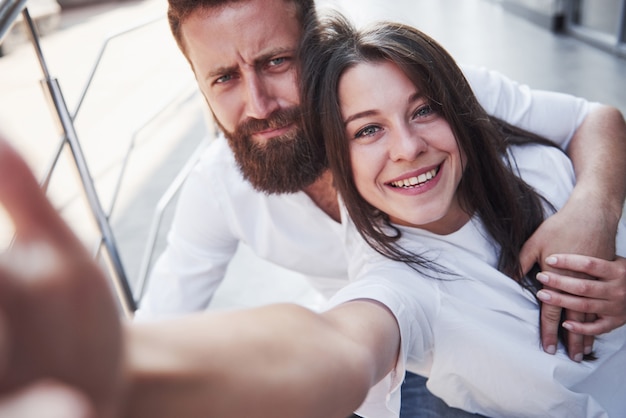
<point x="423" y="111"/>
<point x="367" y="131"/>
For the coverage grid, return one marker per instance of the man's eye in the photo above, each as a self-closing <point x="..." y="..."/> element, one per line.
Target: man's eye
<point x="367" y="131"/>
<point x="277" y="61"/>
<point x="223" y="79"/>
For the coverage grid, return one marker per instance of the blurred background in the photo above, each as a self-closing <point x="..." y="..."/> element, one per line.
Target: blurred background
<point x="140" y="121"/>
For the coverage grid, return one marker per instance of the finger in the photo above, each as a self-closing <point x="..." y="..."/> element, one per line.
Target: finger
<point x="588" y="288"/>
<point x="45" y="400"/>
<point x="574" y="341"/>
<point x="588" y="340"/>
<point x="528" y="256"/>
<point x="584" y="304"/>
<point x="600" y="326"/>
<point x="591" y="266"/>
<point x="550" y="323"/>
<point x="21" y="196"/>
<point x="577" y="303"/>
<point x="17" y="264"/>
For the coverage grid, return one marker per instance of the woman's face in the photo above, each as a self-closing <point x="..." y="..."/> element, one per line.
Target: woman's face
<point x="405" y="158"/>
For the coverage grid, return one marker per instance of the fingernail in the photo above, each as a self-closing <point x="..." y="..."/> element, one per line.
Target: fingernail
<point x="542" y="277"/>
<point x="543" y="295"/>
<point x="588" y="349"/>
<point x="551" y="260"/>
<point x="551" y="349"/>
<point x="578" y="357"/>
<point x="567" y="326"/>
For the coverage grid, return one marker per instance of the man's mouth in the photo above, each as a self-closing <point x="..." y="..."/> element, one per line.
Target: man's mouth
<point x="416" y="181"/>
<point x="274" y="131"/>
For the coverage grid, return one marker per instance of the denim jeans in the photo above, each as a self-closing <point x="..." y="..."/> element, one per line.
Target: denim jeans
<point x="418" y="402"/>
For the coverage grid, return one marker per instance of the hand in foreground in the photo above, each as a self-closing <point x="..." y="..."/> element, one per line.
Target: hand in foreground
<point x="46" y="399"/>
<point x="605" y="297"/>
<point x="569" y="231"/>
<point x="59" y="318"/>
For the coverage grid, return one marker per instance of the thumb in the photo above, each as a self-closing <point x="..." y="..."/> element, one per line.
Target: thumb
<point x="529" y="255"/>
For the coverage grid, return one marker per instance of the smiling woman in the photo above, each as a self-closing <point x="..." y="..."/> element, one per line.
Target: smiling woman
<point x="417" y="115"/>
<point x="429" y="180"/>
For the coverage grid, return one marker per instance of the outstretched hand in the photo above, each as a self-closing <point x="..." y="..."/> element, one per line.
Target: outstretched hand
<point x="47" y="399"/>
<point x="570" y="231"/>
<point x="58" y="316"/>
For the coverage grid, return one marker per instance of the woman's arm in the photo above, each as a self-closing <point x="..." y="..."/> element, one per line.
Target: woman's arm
<point x="279" y="360"/>
<point x="59" y="322"/>
<point x="58" y="319"/>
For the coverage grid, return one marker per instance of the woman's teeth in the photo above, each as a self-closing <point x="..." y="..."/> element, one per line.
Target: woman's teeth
<point x="415" y="181"/>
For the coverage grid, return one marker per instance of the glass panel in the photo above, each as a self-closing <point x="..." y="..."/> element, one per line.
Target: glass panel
<point x="600" y="15"/>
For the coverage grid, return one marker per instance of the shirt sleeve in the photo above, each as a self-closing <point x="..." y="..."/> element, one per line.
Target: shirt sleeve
<point x="200" y="245"/>
<point x="553" y="115"/>
<point x="414" y="303"/>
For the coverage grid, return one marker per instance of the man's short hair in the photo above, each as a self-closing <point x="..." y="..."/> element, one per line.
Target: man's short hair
<point x="179" y="10"/>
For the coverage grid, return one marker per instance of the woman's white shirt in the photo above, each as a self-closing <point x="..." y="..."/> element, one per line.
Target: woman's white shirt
<point x="475" y="333"/>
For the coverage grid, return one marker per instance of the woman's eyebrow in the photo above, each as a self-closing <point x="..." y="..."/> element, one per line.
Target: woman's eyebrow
<point x="359" y="115"/>
<point x="412" y="98"/>
<point x="415" y="97"/>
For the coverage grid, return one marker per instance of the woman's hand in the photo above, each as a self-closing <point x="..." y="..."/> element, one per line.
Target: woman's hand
<point x="58" y="317"/>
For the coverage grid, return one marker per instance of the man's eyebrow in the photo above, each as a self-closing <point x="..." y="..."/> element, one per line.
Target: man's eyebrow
<point x="272" y="53"/>
<point x="266" y="56"/>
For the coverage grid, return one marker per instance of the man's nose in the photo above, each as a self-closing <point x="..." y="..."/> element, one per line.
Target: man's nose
<point x="260" y="100"/>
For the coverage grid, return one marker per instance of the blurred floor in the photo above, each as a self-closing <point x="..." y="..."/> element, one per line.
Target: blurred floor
<point x="143" y="74"/>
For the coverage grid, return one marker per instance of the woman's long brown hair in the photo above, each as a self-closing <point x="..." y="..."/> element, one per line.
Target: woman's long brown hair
<point x="509" y="208"/>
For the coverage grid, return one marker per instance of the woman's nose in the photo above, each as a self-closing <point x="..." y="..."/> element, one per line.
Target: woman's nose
<point x="406" y="145"/>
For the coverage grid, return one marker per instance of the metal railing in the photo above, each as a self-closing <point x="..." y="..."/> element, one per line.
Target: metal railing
<point x="9" y="12"/>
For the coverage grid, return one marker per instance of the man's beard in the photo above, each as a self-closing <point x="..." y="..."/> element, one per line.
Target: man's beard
<point x="283" y="164"/>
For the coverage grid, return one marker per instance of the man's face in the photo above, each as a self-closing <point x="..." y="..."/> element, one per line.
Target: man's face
<point x="243" y="56"/>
